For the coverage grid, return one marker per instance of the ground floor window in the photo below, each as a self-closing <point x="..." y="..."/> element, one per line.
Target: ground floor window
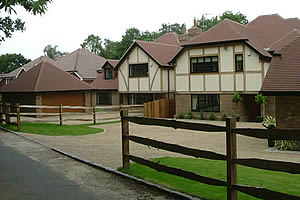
<point x="142" y="98"/>
<point x="206" y="102"/>
<point x="104" y="99"/>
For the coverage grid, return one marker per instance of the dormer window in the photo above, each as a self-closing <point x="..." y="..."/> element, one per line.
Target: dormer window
<point x="108" y="73"/>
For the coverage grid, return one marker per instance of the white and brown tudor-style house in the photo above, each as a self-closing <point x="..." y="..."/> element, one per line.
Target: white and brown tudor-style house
<point x="229" y="58"/>
<point x="144" y="71"/>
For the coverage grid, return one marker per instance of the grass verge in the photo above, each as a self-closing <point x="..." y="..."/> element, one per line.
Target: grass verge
<point x="277" y="181"/>
<point x="57" y="130"/>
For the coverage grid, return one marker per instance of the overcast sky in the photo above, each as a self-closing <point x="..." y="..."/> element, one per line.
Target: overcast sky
<point x="68" y="22"/>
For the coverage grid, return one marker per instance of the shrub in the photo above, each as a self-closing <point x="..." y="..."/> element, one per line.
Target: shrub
<point x="181" y="116"/>
<point x="269" y="122"/>
<point x="190" y="115"/>
<point x="212" y="116"/>
<point x="259" y="119"/>
<point x="201" y="116"/>
<point x="260" y="99"/>
<point x="224" y="117"/>
<point x="284" y="145"/>
<point x="236" y="97"/>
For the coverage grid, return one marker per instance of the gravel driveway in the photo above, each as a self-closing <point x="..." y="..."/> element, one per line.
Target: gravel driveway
<point x="105" y="148"/>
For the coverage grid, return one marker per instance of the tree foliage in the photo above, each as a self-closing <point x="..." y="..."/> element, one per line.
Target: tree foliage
<point x="9" y="62"/>
<point x="93" y="43"/>
<point x="52" y="52"/>
<point x="166" y="28"/>
<point x="207" y="23"/>
<point x="7" y="7"/>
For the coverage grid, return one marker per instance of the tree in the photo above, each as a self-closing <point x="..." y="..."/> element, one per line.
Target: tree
<point x="52" y="52"/>
<point x="110" y="49"/>
<point x="93" y="43"/>
<point x="166" y="28"/>
<point x="8" y="25"/>
<point x="9" y="62"/>
<point x="207" y="23"/>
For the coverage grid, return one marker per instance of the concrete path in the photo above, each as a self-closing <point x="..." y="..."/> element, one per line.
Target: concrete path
<point x="105" y="148"/>
<point x="31" y="171"/>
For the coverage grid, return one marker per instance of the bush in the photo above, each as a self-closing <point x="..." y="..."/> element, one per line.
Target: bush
<point x="260" y="99"/>
<point x="284" y="145"/>
<point x="201" y="116"/>
<point x="259" y="119"/>
<point x="181" y="116"/>
<point x="190" y="115"/>
<point x="224" y="117"/>
<point x="212" y="116"/>
<point x="236" y="97"/>
<point x="269" y="122"/>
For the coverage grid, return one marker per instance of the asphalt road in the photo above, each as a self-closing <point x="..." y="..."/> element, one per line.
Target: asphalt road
<point x="30" y="171"/>
<point x="23" y="178"/>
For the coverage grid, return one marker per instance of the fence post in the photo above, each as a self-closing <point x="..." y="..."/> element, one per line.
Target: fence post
<point x="18" y="117"/>
<point x="1" y="112"/>
<point x="231" y="152"/>
<point x="125" y="140"/>
<point x="94" y="114"/>
<point x="60" y="114"/>
<point x="7" y="114"/>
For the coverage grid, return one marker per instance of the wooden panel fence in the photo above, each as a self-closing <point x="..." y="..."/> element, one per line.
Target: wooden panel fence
<point x="230" y="157"/>
<point x="162" y="108"/>
<point x="5" y="110"/>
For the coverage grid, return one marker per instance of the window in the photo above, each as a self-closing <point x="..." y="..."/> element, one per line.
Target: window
<point x="108" y="73"/>
<point x="138" y="70"/>
<point x="204" y="64"/>
<point x="139" y="98"/>
<point x="104" y="99"/>
<point x="239" y="62"/>
<point x="206" y="103"/>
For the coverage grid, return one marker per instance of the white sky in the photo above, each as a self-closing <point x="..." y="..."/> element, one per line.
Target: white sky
<point x="68" y="22"/>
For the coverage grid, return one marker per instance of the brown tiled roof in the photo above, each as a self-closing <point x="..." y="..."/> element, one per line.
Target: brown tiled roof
<point x="113" y="62"/>
<point x="161" y="53"/>
<point x="283" y="75"/>
<point x="277" y="45"/>
<point x="168" y="38"/>
<point x="228" y="31"/>
<point x="45" y="77"/>
<point x="101" y="83"/>
<point x="271" y="28"/>
<point x="26" y="67"/>
<point x="83" y="62"/>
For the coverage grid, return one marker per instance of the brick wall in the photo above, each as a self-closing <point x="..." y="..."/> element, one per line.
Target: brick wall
<point x="229" y="107"/>
<point x="288" y="111"/>
<point x="183" y="103"/>
<point x="270" y="106"/>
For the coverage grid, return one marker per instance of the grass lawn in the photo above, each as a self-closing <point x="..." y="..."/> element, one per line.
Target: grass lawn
<point x="277" y="181"/>
<point x="57" y="130"/>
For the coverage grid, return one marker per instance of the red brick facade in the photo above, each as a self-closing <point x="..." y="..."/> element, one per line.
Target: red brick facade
<point x="288" y="111"/>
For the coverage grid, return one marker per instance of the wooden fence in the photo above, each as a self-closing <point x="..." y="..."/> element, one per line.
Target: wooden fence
<point x="230" y="157"/>
<point x="163" y="108"/>
<point x="5" y="110"/>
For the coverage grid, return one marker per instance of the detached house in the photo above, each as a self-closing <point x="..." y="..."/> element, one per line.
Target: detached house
<point x="144" y="71"/>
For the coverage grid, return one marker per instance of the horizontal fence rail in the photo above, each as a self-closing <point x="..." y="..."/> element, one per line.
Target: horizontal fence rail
<point x="263" y="193"/>
<point x="177" y="172"/>
<point x="231" y="153"/>
<point x="175" y="124"/>
<point x="177" y="149"/>
<point x="274" y="134"/>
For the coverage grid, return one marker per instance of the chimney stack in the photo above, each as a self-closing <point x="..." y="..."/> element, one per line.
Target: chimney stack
<point x="195" y="22"/>
<point x="184" y="29"/>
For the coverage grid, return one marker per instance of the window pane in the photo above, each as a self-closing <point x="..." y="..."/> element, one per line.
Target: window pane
<point x="239" y="57"/>
<point x="214" y="59"/>
<point x="207" y="59"/>
<point x="194" y="60"/>
<point x="200" y="60"/>
<point x="194" y="102"/>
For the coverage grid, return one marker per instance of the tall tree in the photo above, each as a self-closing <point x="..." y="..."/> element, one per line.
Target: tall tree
<point x="9" y="62"/>
<point x="110" y="49"/>
<point x="8" y="25"/>
<point x="93" y="43"/>
<point x="52" y="52"/>
<point x="207" y="23"/>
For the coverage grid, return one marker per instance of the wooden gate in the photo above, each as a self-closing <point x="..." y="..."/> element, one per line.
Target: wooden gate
<point x="162" y="108"/>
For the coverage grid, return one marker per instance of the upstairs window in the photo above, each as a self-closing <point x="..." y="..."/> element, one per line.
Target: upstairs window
<point x="108" y="73"/>
<point x="239" y="63"/>
<point x="138" y="70"/>
<point x="204" y="64"/>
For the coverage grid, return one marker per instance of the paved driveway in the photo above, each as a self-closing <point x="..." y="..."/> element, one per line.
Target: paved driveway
<point x="105" y="148"/>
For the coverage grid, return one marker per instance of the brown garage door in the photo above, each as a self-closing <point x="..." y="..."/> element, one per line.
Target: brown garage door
<point x="64" y="98"/>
